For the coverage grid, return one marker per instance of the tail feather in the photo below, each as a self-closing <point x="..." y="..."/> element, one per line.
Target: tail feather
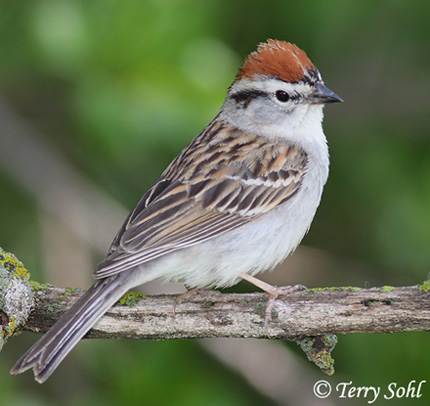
<point x="47" y="353"/>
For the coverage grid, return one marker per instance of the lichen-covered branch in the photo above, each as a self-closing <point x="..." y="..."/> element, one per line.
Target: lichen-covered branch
<point x="312" y="312"/>
<point x="16" y="299"/>
<point x="310" y="317"/>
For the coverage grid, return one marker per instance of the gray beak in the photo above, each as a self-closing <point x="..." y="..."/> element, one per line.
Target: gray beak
<point x="323" y="94"/>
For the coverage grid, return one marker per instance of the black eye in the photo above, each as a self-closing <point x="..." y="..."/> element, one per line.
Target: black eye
<point x="282" y="96"/>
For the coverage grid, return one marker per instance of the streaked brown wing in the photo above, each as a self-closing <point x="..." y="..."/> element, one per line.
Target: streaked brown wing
<point x="187" y="207"/>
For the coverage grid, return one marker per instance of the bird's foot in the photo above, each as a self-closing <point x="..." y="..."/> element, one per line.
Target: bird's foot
<point x="182" y="297"/>
<point x="274" y="292"/>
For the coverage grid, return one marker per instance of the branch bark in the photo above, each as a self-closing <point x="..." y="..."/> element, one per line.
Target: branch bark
<point x="312" y="312"/>
<point x="311" y="317"/>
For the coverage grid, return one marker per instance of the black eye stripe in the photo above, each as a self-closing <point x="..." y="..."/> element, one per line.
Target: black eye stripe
<point x="245" y="96"/>
<point x="248" y="95"/>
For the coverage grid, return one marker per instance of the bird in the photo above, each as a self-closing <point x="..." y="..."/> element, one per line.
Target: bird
<point x="235" y="202"/>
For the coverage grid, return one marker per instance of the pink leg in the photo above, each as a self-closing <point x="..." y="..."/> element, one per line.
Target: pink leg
<point x="273" y="291"/>
<point x="183" y="296"/>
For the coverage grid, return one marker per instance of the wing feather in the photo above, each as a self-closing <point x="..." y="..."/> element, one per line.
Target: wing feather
<point x="197" y="199"/>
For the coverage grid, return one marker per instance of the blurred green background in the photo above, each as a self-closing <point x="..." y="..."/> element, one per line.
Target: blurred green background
<point x="99" y="96"/>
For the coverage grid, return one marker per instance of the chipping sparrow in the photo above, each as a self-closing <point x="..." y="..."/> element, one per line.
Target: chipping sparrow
<point x="235" y="202"/>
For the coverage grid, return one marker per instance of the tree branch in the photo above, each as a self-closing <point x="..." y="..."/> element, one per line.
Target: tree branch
<point x="311" y="317"/>
<point x="312" y="312"/>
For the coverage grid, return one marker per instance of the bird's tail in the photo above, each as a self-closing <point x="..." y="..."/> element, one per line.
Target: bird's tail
<point x="47" y="353"/>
